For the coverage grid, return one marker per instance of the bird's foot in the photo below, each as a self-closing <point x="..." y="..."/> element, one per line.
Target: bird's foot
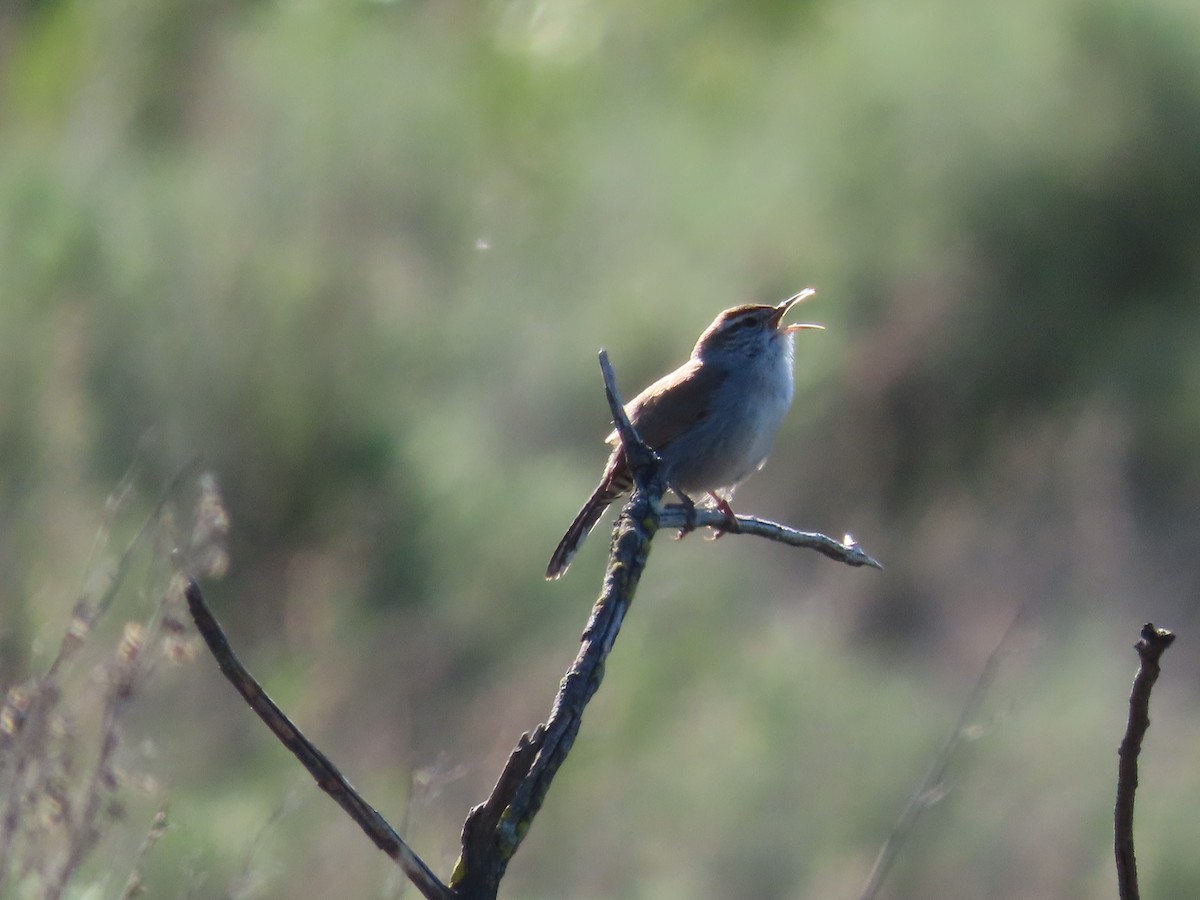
<point x="731" y="522"/>
<point x="689" y="512"/>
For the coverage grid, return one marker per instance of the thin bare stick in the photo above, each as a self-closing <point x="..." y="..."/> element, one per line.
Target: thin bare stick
<point x="638" y="453"/>
<point x="327" y="776"/>
<point x="1153" y="643"/>
<point x="929" y="788"/>
<point x="847" y="550"/>
<point x="158" y="827"/>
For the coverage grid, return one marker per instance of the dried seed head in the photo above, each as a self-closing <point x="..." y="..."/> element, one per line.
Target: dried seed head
<point x="179" y="650"/>
<point x="210" y="530"/>
<point x="16" y="705"/>
<point x="132" y="640"/>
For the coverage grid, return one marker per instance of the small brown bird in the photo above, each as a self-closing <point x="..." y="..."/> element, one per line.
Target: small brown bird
<point x="712" y="421"/>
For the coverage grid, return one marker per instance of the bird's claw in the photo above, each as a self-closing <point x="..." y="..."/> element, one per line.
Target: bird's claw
<point x="689" y="513"/>
<point x="731" y="523"/>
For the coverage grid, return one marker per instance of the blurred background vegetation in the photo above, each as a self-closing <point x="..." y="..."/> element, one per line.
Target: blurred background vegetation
<point x="357" y="259"/>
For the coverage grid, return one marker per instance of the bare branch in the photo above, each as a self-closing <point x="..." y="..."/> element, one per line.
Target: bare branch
<point x="1153" y="643"/>
<point x="847" y="550"/>
<point x="531" y="768"/>
<point x="637" y="452"/>
<point x="483" y="821"/>
<point x="327" y="776"/>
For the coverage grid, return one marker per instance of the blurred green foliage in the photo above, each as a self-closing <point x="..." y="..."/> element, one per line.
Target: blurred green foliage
<point x="357" y="259"/>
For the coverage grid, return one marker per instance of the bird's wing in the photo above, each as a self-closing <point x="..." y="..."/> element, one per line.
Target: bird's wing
<point x="672" y="404"/>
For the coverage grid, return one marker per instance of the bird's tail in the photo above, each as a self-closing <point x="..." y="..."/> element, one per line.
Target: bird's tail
<point x="606" y="492"/>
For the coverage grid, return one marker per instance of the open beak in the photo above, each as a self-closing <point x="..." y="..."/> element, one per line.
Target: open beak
<point x="782" y="309"/>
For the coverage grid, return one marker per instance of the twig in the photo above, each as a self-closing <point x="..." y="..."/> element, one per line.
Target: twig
<point x="1153" y="643"/>
<point x="637" y="452"/>
<point x="847" y="550"/>
<point x="327" y="776"/>
<point x="522" y="787"/>
<point x="928" y="790"/>
<point x="241" y="883"/>
<point x="158" y="827"/>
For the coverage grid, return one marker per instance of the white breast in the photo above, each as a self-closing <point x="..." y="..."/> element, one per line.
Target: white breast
<point x="735" y="439"/>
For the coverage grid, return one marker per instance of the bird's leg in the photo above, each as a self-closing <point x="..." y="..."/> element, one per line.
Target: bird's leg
<point x="689" y="514"/>
<point x="723" y="506"/>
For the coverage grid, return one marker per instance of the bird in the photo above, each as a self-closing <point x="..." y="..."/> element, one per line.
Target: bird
<point x="712" y="421"/>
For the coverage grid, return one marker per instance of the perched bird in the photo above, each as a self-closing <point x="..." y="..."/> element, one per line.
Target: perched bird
<point x="712" y="421"/>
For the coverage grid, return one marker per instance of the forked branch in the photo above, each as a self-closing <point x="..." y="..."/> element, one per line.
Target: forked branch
<point x="494" y="829"/>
